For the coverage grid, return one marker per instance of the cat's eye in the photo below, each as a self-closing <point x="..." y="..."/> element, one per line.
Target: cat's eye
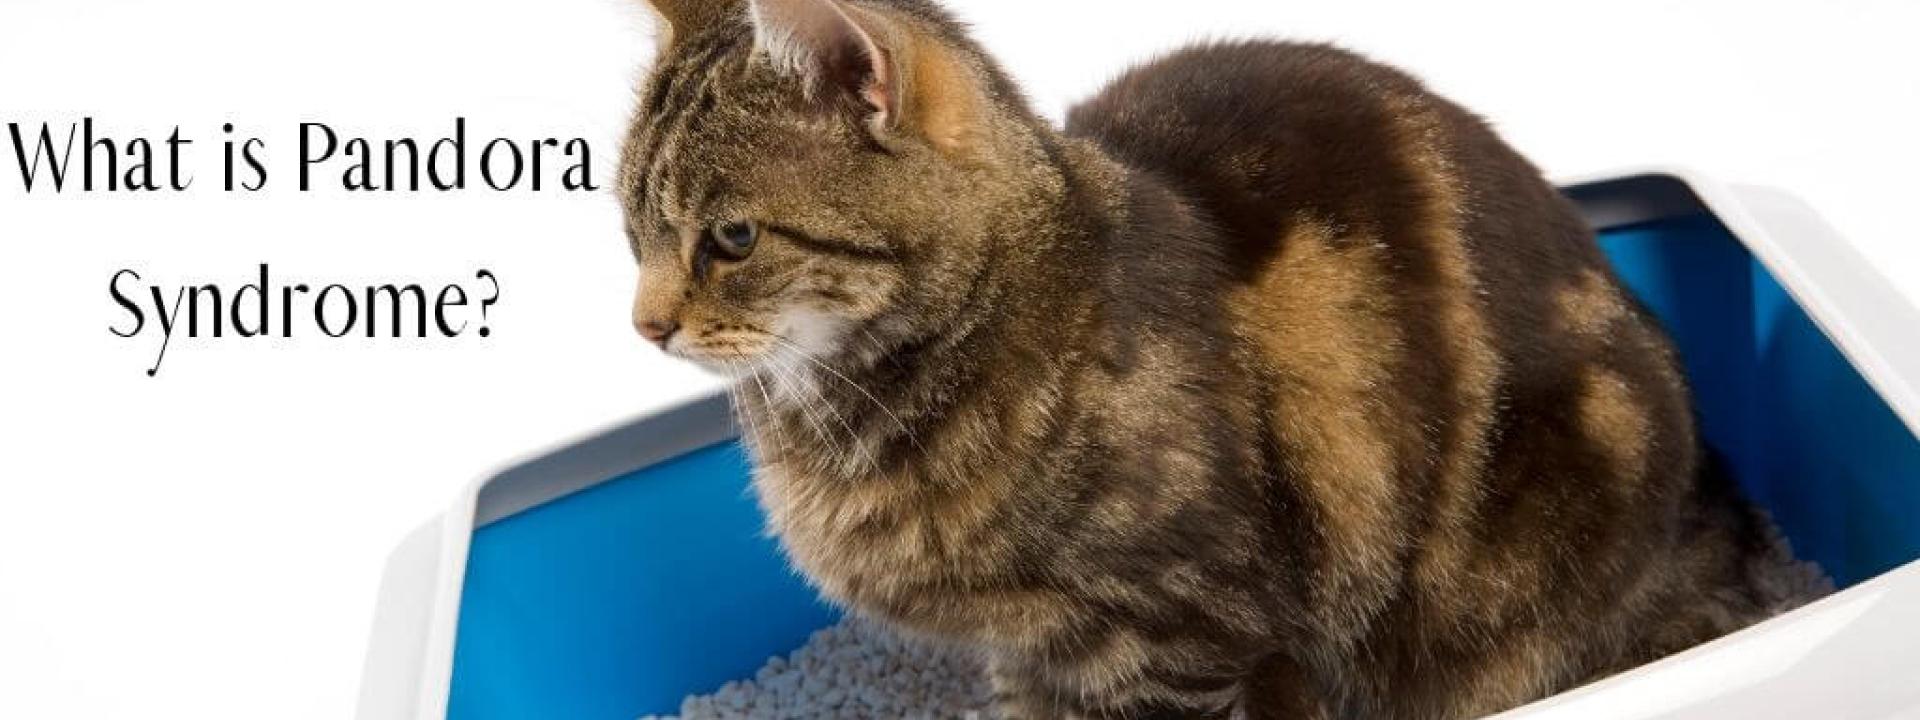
<point x="736" y="240"/>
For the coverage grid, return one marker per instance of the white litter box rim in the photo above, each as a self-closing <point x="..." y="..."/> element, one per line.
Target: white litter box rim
<point x="409" y="663"/>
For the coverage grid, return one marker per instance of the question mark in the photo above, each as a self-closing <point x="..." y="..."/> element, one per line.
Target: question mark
<point x="488" y="276"/>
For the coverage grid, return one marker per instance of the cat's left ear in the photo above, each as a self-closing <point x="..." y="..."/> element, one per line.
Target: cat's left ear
<point x="906" y="80"/>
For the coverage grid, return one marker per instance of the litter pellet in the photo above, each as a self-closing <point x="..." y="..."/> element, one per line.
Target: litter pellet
<point x="855" y="670"/>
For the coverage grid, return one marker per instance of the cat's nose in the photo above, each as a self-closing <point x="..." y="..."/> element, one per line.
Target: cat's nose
<point x="657" y="330"/>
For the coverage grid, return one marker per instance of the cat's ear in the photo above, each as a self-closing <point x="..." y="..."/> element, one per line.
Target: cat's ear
<point x="832" y="47"/>
<point x="685" y="18"/>
<point x="905" y="79"/>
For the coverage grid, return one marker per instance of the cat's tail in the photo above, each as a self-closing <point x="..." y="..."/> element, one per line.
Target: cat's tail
<point x="1781" y="581"/>
<point x="1776" y="580"/>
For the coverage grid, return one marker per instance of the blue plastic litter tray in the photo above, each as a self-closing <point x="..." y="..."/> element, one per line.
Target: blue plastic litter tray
<point x="611" y="577"/>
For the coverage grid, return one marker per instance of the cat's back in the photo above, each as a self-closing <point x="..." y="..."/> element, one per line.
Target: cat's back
<point x="1262" y="133"/>
<point x="1463" y="392"/>
<point x="1387" y="247"/>
<point x="1380" y="236"/>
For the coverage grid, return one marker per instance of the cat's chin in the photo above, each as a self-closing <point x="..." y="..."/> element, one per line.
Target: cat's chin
<point x="731" y="368"/>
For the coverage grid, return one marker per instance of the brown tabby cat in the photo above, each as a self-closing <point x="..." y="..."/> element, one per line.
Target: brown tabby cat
<point x="1274" y="386"/>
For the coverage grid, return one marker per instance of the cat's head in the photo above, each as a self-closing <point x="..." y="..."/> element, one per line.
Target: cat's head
<point x="817" y="176"/>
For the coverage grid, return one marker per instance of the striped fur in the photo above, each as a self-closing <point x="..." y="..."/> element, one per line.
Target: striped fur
<point x="1271" y="386"/>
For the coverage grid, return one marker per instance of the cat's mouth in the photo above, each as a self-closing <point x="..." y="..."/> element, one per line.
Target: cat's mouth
<point x="732" y="357"/>
<point x="738" y="351"/>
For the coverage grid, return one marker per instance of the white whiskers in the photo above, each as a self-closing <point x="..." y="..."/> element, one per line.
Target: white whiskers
<point x="801" y="353"/>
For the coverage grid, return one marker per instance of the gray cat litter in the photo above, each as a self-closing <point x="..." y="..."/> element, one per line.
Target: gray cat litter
<point x="855" y="670"/>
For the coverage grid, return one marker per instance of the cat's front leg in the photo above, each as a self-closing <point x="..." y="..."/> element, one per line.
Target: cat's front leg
<point x="1023" y="691"/>
<point x="1019" y="693"/>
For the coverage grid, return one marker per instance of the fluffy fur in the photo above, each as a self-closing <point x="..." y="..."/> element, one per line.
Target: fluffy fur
<point x="1271" y="384"/>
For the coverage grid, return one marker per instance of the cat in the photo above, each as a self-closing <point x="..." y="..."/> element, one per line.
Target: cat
<point x="1273" y="385"/>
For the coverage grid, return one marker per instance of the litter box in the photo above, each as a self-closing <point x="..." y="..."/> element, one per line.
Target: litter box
<point x="610" y="576"/>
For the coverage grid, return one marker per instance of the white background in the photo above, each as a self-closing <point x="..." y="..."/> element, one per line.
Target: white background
<point x="207" y="543"/>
